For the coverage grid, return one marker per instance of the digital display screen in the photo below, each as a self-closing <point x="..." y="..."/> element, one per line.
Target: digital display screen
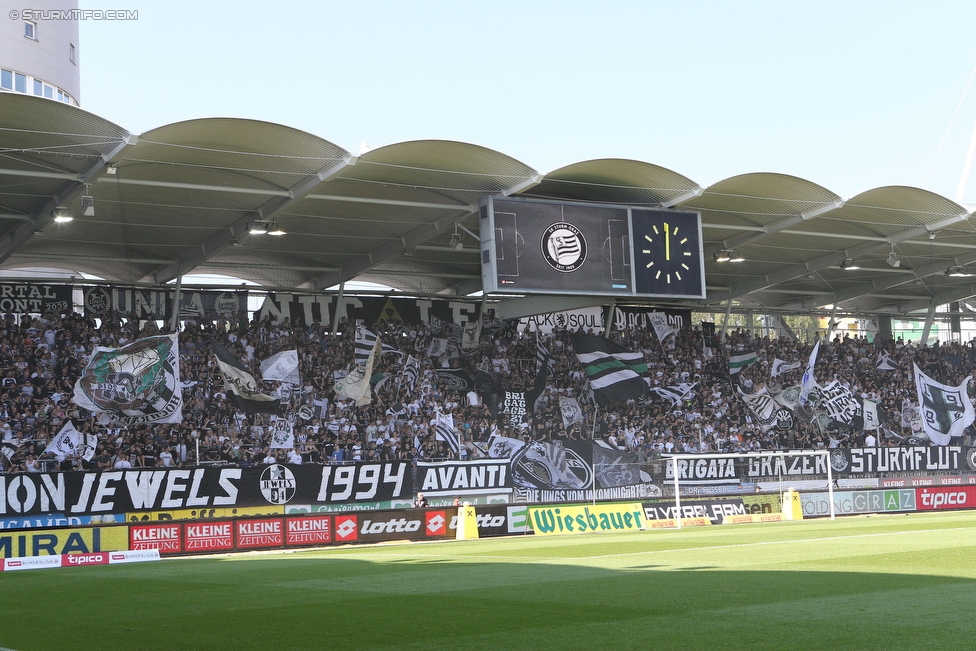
<point x="572" y="248"/>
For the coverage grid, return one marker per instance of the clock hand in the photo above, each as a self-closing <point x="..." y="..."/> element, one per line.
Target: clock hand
<point x="667" y="242"/>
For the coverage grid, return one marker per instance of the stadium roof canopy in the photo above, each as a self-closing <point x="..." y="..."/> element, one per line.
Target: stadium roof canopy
<point x="179" y="199"/>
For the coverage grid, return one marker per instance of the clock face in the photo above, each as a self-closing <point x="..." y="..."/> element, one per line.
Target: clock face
<point x="668" y="253"/>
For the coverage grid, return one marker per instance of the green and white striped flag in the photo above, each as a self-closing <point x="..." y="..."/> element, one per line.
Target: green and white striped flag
<point x="742" y="360"/>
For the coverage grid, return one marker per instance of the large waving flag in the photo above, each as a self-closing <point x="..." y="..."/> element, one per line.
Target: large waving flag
<point x="241" y="386"/>
<point x="946" y="410"/>
<point x="613" y="371"/>
<point x="138" y="383"/>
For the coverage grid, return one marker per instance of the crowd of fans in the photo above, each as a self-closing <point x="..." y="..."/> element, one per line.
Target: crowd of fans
<point x="41" y="357"/>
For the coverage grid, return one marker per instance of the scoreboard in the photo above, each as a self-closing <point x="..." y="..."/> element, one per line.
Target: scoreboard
<point x="546" y="247"/>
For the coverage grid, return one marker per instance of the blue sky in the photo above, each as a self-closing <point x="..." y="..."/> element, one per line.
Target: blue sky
<point x="851" y="95"/>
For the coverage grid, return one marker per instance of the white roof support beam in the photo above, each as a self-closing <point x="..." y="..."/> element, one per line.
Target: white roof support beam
<point x="223" y="238"/>
<point x="776" y="227"/>
<point x="939" y="298"/>
<point x="527" y="184"/>
<point x="391" y="249"/>
<point x="872" y="288"/>
<point x="694" y="193"/>
<point x="795" y="271"/>
<point x="22" y="232"/>
<point x="408" y="241"/>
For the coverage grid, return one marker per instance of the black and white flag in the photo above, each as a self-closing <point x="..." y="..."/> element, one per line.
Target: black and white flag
<point x="884" y="362"/>
<point x="282" y="434"/>
<point x="708" y="334"/>
<point x="762" y="406"/>
<point x="437" y="348"/>
<point x="8" y="449"/>
<point x="571" y="411"/>
<point x="543" y="356"/>
<point x="946" y="410"/>
<point x="241" y="386"/>
<point x="659" y="321"/>
<point x="411" y="371"/>
<point x="471" y="335"/>
<point x="675" y="392"/>
<point x="780" y="366"/>
<point x="784" y="420"/>
<point x="282" y="367"/>
<point x="444" y="431"/>
<point x="365" y="340"/>
<point x="69" y="442"/>
<point x="869" y="414"/>
<point x="840" y="404"/>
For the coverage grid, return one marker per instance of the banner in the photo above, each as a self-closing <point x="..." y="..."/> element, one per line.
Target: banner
<point x="462" y="479"/>
<point x="950" y="458"/>
<point x="34" y="298"/>
<point x="644" y="318"/>
<point x="514" y="406"/>
<point x="588" y="318"/>
<point x="368" y="310"/>
<point x="405" y="524"/>
<point x="547" y="471"/>
<point x="617" y="468"/>
<point x="157" y="304"/>
<point x="128" y="491"/>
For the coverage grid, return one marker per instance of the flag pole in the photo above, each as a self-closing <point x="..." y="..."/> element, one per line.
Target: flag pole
<point x="593" y="456"/>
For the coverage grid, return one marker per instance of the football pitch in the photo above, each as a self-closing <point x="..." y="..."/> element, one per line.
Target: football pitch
<point x="879" y="582"/>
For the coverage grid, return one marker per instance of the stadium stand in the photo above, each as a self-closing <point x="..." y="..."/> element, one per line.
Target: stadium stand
<point x="41" y="357"/>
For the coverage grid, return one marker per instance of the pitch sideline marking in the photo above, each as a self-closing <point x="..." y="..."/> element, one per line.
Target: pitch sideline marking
<point x="688" y="549"/>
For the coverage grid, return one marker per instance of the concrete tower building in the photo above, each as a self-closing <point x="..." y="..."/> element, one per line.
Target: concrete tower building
<point x="39" y="52"/>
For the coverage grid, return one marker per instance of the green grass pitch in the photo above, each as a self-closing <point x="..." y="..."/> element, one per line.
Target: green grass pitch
<point x="883" y="582"/>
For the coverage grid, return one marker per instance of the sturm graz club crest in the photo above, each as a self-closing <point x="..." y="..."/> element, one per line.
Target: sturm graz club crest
<point x="564" y="247"/>
<point x="277" y="484"/>
<point x="838" y="461"/>
<point x="971" y="458"/>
